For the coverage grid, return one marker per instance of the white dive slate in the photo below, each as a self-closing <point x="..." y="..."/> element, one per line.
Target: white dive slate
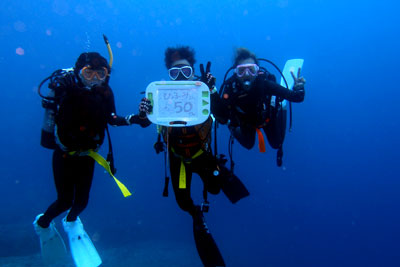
<point x="178" y="103"/>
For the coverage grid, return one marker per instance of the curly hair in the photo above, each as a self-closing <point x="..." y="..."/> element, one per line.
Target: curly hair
<point x="173" y="54"/>
<point x="244" y="53"/>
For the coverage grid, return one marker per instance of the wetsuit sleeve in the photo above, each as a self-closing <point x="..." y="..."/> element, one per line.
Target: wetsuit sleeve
<point x="142" y="121"/>
<point x="112" y="117"/>
<point x="272" y="88"/>
<point x="116" y="120"/>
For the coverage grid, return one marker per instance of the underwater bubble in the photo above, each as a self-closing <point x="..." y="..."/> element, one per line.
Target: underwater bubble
<point x="88" y="44"/>
<point x="61" y="7"/>
<point x="19" y="26"/>
<point x="20" y="51"/>
<point x="96" y="237"/>
<point x="49" y="32"/>
<point x="119" y="44"/>
<point x="283" y="3"/>
<point x="79" y="9"/>
<point x="245" y="12"/>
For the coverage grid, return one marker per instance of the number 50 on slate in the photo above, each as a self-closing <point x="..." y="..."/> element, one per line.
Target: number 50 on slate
<point x="178" y="103"/>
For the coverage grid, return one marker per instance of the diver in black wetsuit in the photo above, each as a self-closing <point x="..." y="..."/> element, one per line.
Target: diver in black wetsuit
<point x="77" y="113"/>
<point x="189" y="150"/>
<point x="245" y="103"/>
<point x="189" y="147"/>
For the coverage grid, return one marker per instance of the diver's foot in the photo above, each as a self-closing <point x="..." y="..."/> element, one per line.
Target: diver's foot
<point x="75" y="227"/>
<point x="44" y="232"/>
<point x="51" y="243"/>
<point x="205" y="244"/>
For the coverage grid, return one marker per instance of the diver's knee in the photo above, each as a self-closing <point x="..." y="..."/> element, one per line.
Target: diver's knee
<point x="214" y="190"/>
<point x="247" y="145"/>
<point x="186" y="204"/>
<point x="64" y="204"/>
<point x="81" y="203"/>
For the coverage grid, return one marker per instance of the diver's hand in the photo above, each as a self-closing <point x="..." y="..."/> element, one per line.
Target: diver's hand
<point x="61" y="82"/>
<point x="145" y="107"/>
<point x="221" y="159"/>
<point x="207" y="77"/>
<point x="298" y="81"/>
<point x="159" y="145"/>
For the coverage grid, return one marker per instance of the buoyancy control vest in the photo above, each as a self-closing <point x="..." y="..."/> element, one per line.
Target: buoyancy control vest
<point x="187" y="141"/>
<point x="77" y="116"/>
<point x="252" y="107"/>
<point x="81" y="119"/>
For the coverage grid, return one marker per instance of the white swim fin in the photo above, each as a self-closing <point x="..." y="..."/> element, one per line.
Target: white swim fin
<point x="51" y="243"/>
<point x="83" y="251"/>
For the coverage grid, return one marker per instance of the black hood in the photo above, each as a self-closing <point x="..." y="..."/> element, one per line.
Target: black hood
<point x="94" y="59"/>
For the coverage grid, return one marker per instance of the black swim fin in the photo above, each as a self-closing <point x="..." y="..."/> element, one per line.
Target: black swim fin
<point x="231" y="185"/>
<point x="205" y="243"/>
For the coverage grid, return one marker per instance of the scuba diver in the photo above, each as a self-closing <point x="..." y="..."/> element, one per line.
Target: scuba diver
<point x="246" y="103"/>
<point x="189" y="151"/>
<point x="78" y="108"/>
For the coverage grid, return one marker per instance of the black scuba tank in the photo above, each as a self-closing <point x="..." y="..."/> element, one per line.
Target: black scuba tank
<point x="47" y="139"/>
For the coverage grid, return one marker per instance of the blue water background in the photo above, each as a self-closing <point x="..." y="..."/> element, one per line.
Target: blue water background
<point x="334" y="203"/>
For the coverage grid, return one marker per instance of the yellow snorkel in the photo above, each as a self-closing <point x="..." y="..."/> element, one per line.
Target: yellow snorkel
<point x="109" y="51"/>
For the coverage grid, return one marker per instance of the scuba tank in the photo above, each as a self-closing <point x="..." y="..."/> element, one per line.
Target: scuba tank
<point x="57" y="80"/>
<point x="47" y="138"/>
<point x="49" y="103"/>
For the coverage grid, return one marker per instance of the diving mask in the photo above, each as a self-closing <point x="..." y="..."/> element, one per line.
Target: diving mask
<point x="186" y="71"/>
<point x="247" y="69"/>
<point x="89" y="73"/>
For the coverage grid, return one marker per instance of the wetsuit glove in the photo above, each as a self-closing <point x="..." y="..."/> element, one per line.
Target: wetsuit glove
<point x="299" y="86"/>
<point x="299" y="81"/>
<point x="136" y="119"/>
<point x="207" y="77"/>
<point x="141" y="119"/>
<point x="159" y="145"/>
<point x="145" y="107"/>
<point x="68" y="80"/>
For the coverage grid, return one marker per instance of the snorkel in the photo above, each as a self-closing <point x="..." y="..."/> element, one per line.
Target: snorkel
<point x="110" y="54"/>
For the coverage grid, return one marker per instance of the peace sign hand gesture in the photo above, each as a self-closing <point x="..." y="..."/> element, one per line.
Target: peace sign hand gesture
<point x="298" y="81"/>
<point x="207" y="77"/>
